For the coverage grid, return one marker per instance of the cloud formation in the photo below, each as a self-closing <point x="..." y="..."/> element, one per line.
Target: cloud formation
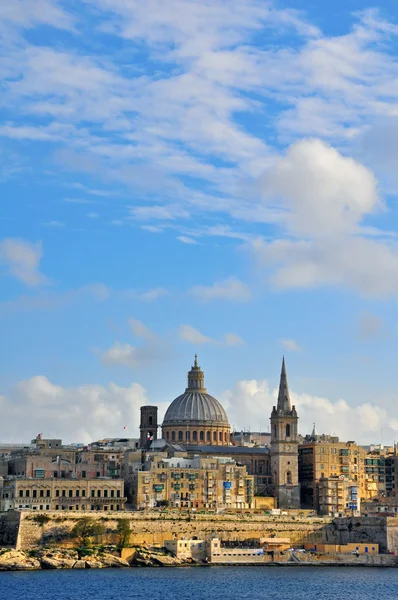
<point x="187" y="333"/>
<point x="22" y="260"/>
<point x="231" y="289"/>
<point x="250" y="402"/>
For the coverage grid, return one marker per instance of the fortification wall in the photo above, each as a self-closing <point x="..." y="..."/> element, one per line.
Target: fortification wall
<point x="9" y="529"/>
<point x="155" y="528"/>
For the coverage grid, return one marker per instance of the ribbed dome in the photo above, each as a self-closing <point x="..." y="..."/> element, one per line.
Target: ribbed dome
<point x="195" y="406"/>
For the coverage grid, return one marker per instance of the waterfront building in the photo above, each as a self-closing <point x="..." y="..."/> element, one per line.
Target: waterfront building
<point x="338" y="496"/>
<point x="61" y="494"/>
<point x="186" y="482"/>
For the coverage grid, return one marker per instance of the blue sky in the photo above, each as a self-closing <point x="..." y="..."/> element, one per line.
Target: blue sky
<point x="197" y="176"/>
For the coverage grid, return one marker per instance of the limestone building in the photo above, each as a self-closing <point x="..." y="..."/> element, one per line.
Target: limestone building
<point x="284" y="448"/>
<point x="195" y="417"/>
<point x="185" y="482"/>
<point x="62" y="494"/>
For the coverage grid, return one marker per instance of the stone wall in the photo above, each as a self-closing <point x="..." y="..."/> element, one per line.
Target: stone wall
<point x="155" y="528"/>
<point x="9" y="528"/>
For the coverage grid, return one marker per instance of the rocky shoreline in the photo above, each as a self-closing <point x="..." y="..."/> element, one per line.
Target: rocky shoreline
<point x="65" y="558"/>
<point x="17" y="560"/>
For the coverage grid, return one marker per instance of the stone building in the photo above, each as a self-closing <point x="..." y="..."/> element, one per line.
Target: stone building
<point x="195" y="422"/>
<point x="195" y="417"/>
<point x="185" y="482"/>
<point x="61" y="494"/>
<point x="328" y="459"/>
<point x="338" y="496"/>
<point x="284" y="448"/>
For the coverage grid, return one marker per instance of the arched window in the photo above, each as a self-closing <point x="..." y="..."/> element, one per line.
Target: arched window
<point x="220" y="436"/>
<point x="173" y="436"/>
<point x="288" y="430"/>
<point x="167" y="435"/>
<point x="187" y="435"/>
<point x="195" y="435"/>
<point x="288" y="478"/>
<point x="225" y="437"/>
<point x="214" y="436"/>
<point x="201" y="436"/>
<point x="208" y="436"/>
<point x="275" y="432"/>
<point x="150" y="420"/>
<point x="180" y="436"/>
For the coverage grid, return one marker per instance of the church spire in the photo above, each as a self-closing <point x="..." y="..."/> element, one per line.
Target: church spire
<point x="284" y="404"/>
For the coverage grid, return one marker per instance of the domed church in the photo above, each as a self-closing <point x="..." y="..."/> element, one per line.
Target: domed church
<point x="195" y="417"/>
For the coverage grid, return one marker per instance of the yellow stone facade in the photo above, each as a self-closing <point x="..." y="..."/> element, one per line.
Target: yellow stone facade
<point x="199" y="483"/>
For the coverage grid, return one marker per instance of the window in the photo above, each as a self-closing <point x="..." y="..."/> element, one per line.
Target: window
<point x="84" y="474"/>
<point x="208" y="436"/>
<point x="220" y="436"/>
<point x="214" y="436"/>
<point x="98" y="474"/>
<point x="288" y="478"/>
<point x="187" y="435"/>
<point x="77" y="493"/>
<point x="112" y="493"/>
<point x="34" y="493"/>
<point x="27" y="493"/>
<point x="48" y="493"/>
<point x="41" y="493"/>
<point x="195" y="436"/>
<point x="225" y="437"/>
<point x="173" y="436"/>
<point x="92" y="493"/>
<point x="70" y="493"/>
<point x="83" y="493"/>
<point x="118" y="495"/>
<point x="47" y="507"/>
<point x="55" y="473"/>
<point x="64" y="493"/>
<point x="180" y="436"/>
<point x="57" y="493"/>
<point x="167" y="435"/>
<point x="150" y="420"/>
<point x="99" y="493"/>
<point x="201" y="436"/>
<point x="275" y="431"/>
<point x="105" y="493"/>
<point x="20" y="493"/>
<point x="288" y="430"/>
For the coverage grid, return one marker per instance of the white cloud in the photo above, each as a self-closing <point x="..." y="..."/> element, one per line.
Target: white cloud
<point x="366" y="266"/>
<point x="154" y="294"/>
<point x="43" y="12"/>
<point x="250" y="402"/>
<point x="140" y="330"/>
<point x="187" y="333"/>
<point x="75" y="414"/>
<point x="186" y="240"/>
<point x="169" y="212"/>
<point x="151" y="348"/>
<point x="22" y="260"/>
<point x="231" y="289"/>
<point x="322" y="191"/>
<point x="54" y="224"/>
<point x="290" y="345"/>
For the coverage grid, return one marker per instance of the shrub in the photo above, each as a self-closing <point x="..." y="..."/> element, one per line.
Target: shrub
<point x="86" y="529"/>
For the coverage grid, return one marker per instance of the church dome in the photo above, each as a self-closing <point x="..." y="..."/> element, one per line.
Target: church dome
<point x="195" y="405"/>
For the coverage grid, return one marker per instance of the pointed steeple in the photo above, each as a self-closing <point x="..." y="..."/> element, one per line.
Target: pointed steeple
<point x="314" y="433"/>
<point x="284" y="404"/>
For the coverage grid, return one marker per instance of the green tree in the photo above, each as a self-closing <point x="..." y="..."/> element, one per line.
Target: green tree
<point x="86" y="529"/>
<point x="124" y="531"/>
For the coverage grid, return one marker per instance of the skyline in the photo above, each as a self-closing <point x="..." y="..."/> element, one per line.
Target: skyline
<point x="221" y="182"/>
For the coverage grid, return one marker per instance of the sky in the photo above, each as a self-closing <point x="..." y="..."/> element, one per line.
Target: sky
<point x="198" y="176"/>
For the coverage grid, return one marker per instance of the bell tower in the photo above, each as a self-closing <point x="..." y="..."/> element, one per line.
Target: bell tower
<point x="148" y="425"/>
<point x="284" y="448"/>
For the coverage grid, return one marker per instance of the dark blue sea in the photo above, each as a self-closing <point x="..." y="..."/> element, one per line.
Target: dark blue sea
<point x="212" y="583"/>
